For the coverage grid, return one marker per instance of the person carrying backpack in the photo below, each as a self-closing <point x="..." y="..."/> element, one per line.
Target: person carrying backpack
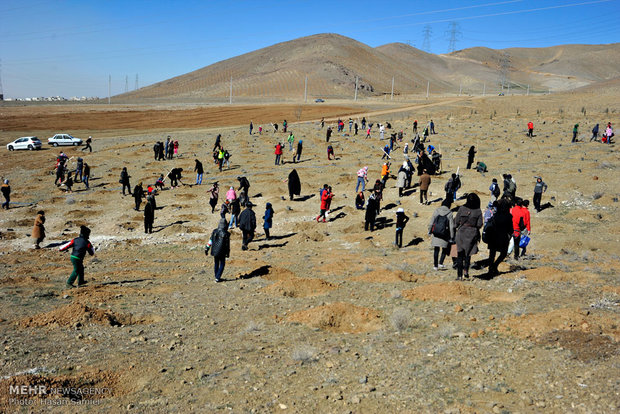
<point x="494" y="189"/>
<point x="247" y="224"/>
<point x="219" y="245"/>
<point x="441" y="228"/>
<point x="80" y="245"/>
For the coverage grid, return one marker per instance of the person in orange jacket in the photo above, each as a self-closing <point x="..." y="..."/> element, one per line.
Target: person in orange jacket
<point x="530" y="129"/>
<point x="385" y="172"/>
<point x="520" y="224"/>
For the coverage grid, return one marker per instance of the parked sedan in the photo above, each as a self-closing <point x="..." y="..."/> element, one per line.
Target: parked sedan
<point x="63" y="139"/>
<point x="29" y="143"/>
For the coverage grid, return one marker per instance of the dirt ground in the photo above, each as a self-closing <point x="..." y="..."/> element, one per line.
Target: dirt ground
<point x="324" y="316"/>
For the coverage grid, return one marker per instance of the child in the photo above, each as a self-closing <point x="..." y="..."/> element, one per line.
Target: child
<point x="268" y="220"/>
<point x="401" y="222"/>
<point x="160" y="182"/>
<point x="360" y="201"/>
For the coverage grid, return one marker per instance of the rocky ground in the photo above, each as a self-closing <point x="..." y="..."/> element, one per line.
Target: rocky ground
<point x="323" y="317"/>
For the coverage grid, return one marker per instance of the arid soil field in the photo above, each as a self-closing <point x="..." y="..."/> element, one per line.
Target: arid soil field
<point x="324" y="317"/>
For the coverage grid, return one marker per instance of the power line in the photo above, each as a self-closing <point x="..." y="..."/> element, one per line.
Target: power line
<point x="426" y="44"/>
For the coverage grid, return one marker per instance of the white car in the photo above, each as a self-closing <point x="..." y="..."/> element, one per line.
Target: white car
<point x="63" y="139"/>
<point x="29" y="143"/>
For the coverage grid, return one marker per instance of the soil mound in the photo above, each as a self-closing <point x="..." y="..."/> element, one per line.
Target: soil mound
<point x="457" y="292"/>
<point x="76" y="388"/>
<point x="550" y="274"/>
<point x="537" y="325"/>
<point x="387" y="276"/>
<point x="583" y="346"/>
<point x="300" y="288"/>
<point x="339" y="318"/>
<point x="79" y="313"/>
<point x="268" y="273"/>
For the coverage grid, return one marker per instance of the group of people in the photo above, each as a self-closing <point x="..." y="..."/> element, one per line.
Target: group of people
<point x="66" y="177"/>
<point x="166" y="150"/>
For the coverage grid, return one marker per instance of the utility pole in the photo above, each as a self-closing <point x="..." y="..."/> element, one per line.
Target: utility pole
<point x="426" y="44"/>
<point x="460" y="88"/>
<point x="1" y="91"/>
<point x="528" y="90"/>
<point x="504" y="66"/>
<point x="136" y="86"/>
<point x="230" y="100"/>
<point x="109" y="88"/>
<point x="428" y="88"/>
<point x="356" y="80"/>
<point x="392" y="94"/>
<point x="126" y="83"/>
<point x="454" y="34"/>
<point x="306" y="90"/>
<point x="484" y="89"/>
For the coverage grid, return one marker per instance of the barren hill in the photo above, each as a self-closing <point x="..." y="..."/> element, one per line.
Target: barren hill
<point x="332" y="62"/>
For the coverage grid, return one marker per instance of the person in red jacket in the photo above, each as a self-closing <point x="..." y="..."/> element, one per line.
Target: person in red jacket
<point x="278" y="153"/>
<point x="326" y="199"/>
<point x="520" y="224"/>
<point x="530" y="129"/>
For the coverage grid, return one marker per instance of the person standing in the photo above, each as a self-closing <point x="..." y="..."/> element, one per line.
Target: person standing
<point x="300" y="148"/>
<point x="362" y="178"/>
<point x="124" y="180"/>
<point x="219" y="245"/>
<point x="609" y="132"/>
<point x="149" y="214"/>
<point x="368" y="133"/>
<point x="260" y="130"/>
<point x="247" y="224"/>
<point x="442" y="230"/>
<point x="468" y="221"/>
<point x="385" y="173"/>
<point x="322" y="122"/>
<point x="530" y="129"/>
<point x="330" y="152"/>
<point x="291" y="139"/>
<point x="539" y="189"/>
<point x="425" y="182"/>
<point x="251" y="127"/>
<point x="452" y="187"/>
<point x="294" y="184"/>
<point x="494" y="189"/>
<point x="138" y="194"/>
<point x="284" y="126"/>
<point x="498" y="230"/>
<point x="350" y="125"/>
<point x="432" y="127"/>
<point x="80" y="245"/>
<point x="328" y="134"/>
<point x="156" y="151"/>
<point x="575" y="132"/>
<point x="161" y="154"/>
<point x="401" y="178"/>
<point x="176" y="147"/>
<point x="326" y="198"/>
<point x="87" y="146"/>
<point x="38" y="231"/>
<point x="415" y="126"/>
<point x="199" y="172"/>
<point x="278" y="153"/>
<point x="401" y="222"/>
<point x="78" y="170"/>
<point x="381" y="131"/>
<point x="594" y="133"/>
<point x="520" y="224"/>
<point x="244" y="184"/>
<point x="510" y="187"/>
<point x="364" y="122"/>
<point x="372" y="209"/>
<point x="6" y="193"/>
<point x="214" y="194"/>
<point x="167" y="145"/>
<point x="355" y="128"/>
<point x="470" y="156"/>
<point x="268" y="217"/>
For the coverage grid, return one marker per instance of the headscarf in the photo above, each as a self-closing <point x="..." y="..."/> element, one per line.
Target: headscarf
<point x="473" y="201"/>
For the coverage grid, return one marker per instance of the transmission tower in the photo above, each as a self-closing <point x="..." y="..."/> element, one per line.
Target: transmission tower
<point x="454" y="34"/>
<point x="126" y="83"/>
<point x="504" y="66"/>
<point x="1" y="91"/>
<point x="426" y="44"/>
<point x="136" y="86"/>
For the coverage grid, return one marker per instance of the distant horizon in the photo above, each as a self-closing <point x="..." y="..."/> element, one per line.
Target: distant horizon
<point x="144" y="42"/>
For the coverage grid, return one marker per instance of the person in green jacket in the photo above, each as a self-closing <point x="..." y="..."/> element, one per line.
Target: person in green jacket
<point x="575" y="132"/>
<point x="291" y="139"/>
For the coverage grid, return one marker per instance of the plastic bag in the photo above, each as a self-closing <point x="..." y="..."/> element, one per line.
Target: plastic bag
<point x="511" y="245"/>
<point x="524" y="241"/>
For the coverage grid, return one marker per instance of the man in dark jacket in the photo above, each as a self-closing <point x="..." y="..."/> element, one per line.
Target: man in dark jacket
<point x="175" y="177"/>
<point x="199" y="172"/>
<point x="300" y="148"/>
<point x="219" y="244"/>
<point x="149" y="215"/>
<point x="244" y="185"/>
<point x="498" y="231"/>
<point x="80" y="245"/>
<point x="160" y="151"/>
<point x="247" y="224"/>
<point x="372" y="209"/>
<point x="78" y="170"/>
<point x="124" y="180"/>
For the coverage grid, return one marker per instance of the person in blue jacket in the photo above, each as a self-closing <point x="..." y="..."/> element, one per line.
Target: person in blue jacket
<point x="268" y="220"/>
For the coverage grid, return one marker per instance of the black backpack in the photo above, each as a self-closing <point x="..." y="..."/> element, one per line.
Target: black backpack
<point x="441" y="228"/>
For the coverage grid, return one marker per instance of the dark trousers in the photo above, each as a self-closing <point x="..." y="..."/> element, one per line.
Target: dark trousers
<point x="138" y="202"/>
<point x="218" y="266"/>
<point x="400" y="191"/>
<point x="148" y="226"/>
<point x="7" y="200"/>
<point x="369" y="224"/>
<point x="248" y="236"/>
<point x="493" y="264"/>
<point x="423" y="196"/>
<point x="399" y="237"/>
<point x="212" y="203"/>
<point x="278" y="156"/>
<point x="88" y="147"/>
<point x="462" y="265"/>
<point x="537" y="198"/>
<point x="574" y="136"/>
<point x="436" y="259"/>
<point x="267" y="233"/>
<point x="530" y="132"/>
<point x="516" y="249"/>
<point x="126" y="184"/>
<point x="470" y="161"/>
<point x="78" y="271"/>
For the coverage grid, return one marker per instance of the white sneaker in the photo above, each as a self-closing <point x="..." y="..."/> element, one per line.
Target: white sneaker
<point x="434" y="268"/>
<point x="442" y="266"/>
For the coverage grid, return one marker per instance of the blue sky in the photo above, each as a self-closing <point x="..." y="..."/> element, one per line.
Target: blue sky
<point x="70" y="47"/>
